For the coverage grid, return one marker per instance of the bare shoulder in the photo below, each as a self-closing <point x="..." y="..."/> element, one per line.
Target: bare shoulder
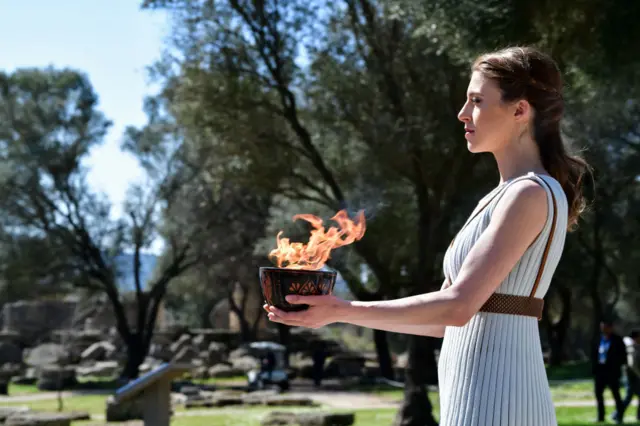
<point x="524" y="202"/>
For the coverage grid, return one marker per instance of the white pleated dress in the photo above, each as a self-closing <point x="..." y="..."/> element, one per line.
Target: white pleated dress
<point x="491" y="371"/>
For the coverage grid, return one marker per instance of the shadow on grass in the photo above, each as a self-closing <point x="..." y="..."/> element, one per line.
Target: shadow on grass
<point x="578" y="370"/>
<point x="111" y="385"/>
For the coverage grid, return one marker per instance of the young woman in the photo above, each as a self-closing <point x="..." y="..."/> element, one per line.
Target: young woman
<point x="499" y="266"/>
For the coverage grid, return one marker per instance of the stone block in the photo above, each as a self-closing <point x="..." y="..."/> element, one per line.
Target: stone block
<point x="38" y="419"/>
<point x="53" y="377"/>
<point x="278" y="418"/>
<point x="129" y="410"/>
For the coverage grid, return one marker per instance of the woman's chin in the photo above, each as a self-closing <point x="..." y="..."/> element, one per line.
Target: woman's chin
<point x="475" y="147"/>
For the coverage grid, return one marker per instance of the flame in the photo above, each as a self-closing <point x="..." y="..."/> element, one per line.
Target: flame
<point x="315" y="253"/>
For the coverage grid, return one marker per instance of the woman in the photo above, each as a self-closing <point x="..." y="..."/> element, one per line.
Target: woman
<point x="499" y="266"/>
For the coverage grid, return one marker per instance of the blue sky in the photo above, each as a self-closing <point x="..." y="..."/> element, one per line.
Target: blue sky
<point x="110" y="40"/>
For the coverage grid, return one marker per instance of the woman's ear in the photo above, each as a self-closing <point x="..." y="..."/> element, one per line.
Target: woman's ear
<point x="522" y="112"/>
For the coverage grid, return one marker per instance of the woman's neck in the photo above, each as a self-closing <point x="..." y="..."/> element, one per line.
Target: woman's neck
<point x="519" y="158"/>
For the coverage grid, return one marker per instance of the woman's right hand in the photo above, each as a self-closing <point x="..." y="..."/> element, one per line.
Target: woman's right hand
<point x="323" y="310"/>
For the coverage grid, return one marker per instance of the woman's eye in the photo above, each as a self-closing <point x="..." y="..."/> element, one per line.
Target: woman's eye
<point x="475" y="100"/>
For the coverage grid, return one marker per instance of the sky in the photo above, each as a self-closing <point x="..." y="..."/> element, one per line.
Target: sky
<point x="113" y="42"/>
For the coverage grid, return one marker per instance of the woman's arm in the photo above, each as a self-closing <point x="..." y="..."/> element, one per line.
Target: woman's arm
<point x="383" y="324"/>
<point x="419" y="330"/>
<point x="517" y="220"/>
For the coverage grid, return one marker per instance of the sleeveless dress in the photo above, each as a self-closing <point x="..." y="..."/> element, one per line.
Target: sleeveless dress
<point x="491" y="370"/>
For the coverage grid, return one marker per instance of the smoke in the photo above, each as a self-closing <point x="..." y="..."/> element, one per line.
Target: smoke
<point x="371" y="201"/>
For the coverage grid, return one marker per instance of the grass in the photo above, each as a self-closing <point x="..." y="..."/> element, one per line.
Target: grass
<point x="577" y="375"/>
<point x="583" y="416"/>
<point x="251" y="416"/>
<point x="222" y="381"/>
<point x="567" y="416"/>
<point x="578" y="390"/>
<point x="383" y="417"/>
<point x="92" y="404"/>
<point x="582" y="389"/>
<point x="15" y="389"/>
<point x="570" y="371"/>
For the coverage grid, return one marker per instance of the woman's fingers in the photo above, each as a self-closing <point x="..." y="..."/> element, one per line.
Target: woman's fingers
<point x="289" y="316"/>
<point x="297" y="319"/>
<point x="273" y="317"/>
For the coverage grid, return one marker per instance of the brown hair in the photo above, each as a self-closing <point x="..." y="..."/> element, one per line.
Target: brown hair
<point x="526" y="73"/>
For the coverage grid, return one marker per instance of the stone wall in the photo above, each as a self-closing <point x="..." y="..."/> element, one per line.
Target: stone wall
<point x="36" y="319"/>
<point x="104" y="318"/>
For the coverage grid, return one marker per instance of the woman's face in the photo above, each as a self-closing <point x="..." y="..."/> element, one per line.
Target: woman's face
<point x="490" y="124"/>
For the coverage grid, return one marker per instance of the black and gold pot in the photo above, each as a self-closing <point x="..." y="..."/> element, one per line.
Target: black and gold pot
<point x="277" y="283"/>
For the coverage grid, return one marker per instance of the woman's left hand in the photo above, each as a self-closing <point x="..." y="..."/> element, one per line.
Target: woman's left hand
<point x="323" y="310"/>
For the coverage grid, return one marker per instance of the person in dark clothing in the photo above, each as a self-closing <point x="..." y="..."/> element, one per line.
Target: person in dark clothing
<point x="633" y="373"/>
<point x="609" y="355"/>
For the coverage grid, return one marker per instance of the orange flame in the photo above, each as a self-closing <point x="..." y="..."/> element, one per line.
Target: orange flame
<point x="315" y="253"/>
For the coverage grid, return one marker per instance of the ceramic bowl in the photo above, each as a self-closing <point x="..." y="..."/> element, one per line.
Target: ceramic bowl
<point x="277" y="283"/>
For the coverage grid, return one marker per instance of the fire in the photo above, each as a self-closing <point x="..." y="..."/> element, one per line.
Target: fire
<point x="315" y="253"/>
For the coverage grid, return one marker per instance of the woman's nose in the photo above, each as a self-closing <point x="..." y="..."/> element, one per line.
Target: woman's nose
<point x="463" y="115"/>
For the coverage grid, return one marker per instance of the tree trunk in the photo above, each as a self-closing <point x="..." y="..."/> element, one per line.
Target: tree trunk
<point x="205" y="313"/>
<point x="239" y="311"/>
<point x="597" y="310"/>
<point x="383" y="353"/>
<point x="558" y="330"/>
<point x="136" y="353"/>
<point x="245" y="329"/>
<point x="416" y="409"/>
<point x="284" y="334"/>
<point x="139" y="339"/>
<point x="598" y="304"/>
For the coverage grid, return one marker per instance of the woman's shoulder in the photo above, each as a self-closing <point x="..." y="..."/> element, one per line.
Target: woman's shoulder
<point x="529" y="197"/>
<point x="526" y="196"/>
<point x="536" y="185"/>
<point x="538" y="197"/>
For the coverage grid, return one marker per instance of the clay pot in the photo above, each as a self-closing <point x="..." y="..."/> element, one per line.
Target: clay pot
<point x="277" y="283"/>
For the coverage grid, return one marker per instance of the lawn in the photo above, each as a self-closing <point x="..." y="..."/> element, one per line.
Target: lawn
<point x="575" y="390"/>
<point x="251" y="416"/>
<point x="223" y="381"/>
<point x="15" y="389"/>
<point x="582" y="389"/>
<point x="570" y="371"/>
<point x="567" y="416"/>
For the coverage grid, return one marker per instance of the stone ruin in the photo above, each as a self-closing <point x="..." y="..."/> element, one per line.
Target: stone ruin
<point x="35" y="320"/>
<point x="212" y="353"/>
<point x="32" y="351"/>
<point x="59" y="359"/>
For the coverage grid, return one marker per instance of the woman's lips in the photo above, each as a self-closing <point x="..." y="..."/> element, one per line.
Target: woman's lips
<point x="468" y="133"/>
